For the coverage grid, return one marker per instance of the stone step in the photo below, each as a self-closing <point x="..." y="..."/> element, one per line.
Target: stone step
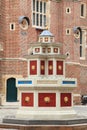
<point x="10" y="105"/>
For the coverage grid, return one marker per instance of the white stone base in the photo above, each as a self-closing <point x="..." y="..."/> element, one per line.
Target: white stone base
<point x="46" y="115"/>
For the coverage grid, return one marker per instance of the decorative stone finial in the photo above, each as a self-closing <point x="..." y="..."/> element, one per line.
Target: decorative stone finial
<point x="46" y="37"/>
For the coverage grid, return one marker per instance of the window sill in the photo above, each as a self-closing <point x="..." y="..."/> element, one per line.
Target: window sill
<point x="39" y="28"/>
<point x="83" y="17"/>
<point x="82" y="58"/>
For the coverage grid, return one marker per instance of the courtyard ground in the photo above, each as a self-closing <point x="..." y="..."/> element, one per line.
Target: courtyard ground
<point x="10" y="109"/>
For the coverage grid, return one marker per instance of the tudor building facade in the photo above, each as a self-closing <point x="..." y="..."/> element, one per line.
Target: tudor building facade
<point x="21" y="22"/>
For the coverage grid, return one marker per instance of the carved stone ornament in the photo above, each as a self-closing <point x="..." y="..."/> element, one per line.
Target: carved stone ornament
<point x="47" y="99"/>
<point x="27" y="99"/>
<point x="24" y="22"/>
<point x="66" y="99"/>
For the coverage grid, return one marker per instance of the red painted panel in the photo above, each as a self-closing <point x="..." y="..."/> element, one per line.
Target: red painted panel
<point x="50" y="67"/>
<point x="27" y="99"/>
<point x="47" y="99"/>
<point x="66" y="99"/>
<point x="42" y="67"/>
<point x="59" y="67"/>
<point x="33" y="67"/>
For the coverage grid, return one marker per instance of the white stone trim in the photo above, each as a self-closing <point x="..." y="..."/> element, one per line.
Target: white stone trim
<point x="68" y="29"/>
<point x="23" y="59"/>
<point x="84" y="10"/>
<point x="83" y="45"/>
<point x="68" y="10"/>
<point x="75" y="63"/>
<point x="12" y="24"/>
<point x="1" y="46"/>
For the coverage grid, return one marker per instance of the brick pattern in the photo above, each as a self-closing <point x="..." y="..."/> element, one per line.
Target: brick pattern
<point x="14" y="67"/>
<point x="73" y="71"/>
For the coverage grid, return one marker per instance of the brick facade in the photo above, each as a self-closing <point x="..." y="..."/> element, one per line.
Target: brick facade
<point x="15" y="43"/>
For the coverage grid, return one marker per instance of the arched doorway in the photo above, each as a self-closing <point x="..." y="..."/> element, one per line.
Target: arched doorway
<point x="11" y="92"/>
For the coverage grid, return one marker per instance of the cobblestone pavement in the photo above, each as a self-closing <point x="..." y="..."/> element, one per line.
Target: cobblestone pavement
<point x="10" y="111"/>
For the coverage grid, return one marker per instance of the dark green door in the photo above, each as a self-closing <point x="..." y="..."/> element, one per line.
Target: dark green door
<point x="11" y="95"/>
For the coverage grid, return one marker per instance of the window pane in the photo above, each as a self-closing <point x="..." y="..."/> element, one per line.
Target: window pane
<point x="44" y="7"/>
<point x="37" y="6"/>
<point x="37" y="19"/>
<point x="82" y="10"/>
<point x="80" y="51"/>
<point x="81" y="38"/>
<point x="40" y="7"/>
<point x="41" y="20"/>
<point x="12" y="26"/>
<point x="44" y="19"/>
<point x="33" y="18"/>
<point x="33" y="5"/>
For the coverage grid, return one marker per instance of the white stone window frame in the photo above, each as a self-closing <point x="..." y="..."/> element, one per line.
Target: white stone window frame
<point x="68" y="12"/>
<point x="11" y="26"/>
<point x="39" y="13"/>
<point x="83" y="45"/>
<point x="68" y="29"/>
<point x="84" y="11"/>
<point x="1" y="46"/>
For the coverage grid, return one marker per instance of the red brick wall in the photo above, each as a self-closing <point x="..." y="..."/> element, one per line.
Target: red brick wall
<point x="14" y="67"/>
<point x="76" y="68"/>
<point x="15" y="45"/>
<point x="54" y="19"/>
<point x="73" y="71"/>
<point x="69" y="21"/>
